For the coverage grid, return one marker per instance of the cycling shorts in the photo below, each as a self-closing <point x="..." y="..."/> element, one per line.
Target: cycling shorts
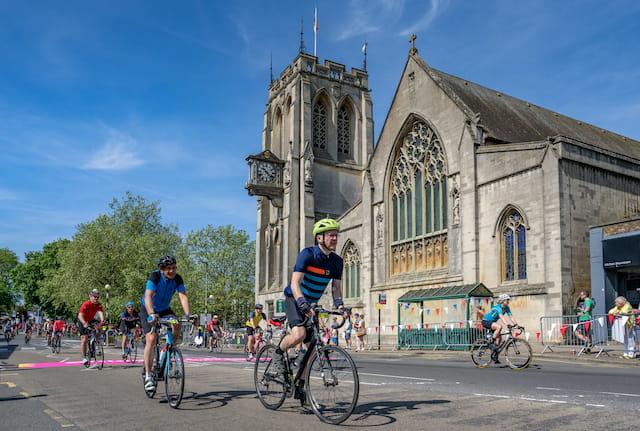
<point x="487" y="324"/>
<point x="295" y="316"/>
<point x="146" y="327"/>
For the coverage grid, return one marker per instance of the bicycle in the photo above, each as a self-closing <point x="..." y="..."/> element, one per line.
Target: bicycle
<point x="168" y="364"/>
<point x="258" y="343"/>
<point x="56" y="343"/>
<point x="95" y="350"/>
<point x="326" y="375"/>
<point x="27" y="337"/>
<point x="131" y="352"/>
<point x="517" y="352"/>
<point x="216" y="341"/>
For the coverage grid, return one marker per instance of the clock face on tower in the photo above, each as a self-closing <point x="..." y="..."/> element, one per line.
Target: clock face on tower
<point x="266" y="172"/>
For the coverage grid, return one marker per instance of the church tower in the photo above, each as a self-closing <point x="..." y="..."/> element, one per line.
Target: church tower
<point x="316" y="143"/>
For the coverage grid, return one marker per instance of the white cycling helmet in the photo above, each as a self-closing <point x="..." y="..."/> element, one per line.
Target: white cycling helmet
<point x="503" y="297"/>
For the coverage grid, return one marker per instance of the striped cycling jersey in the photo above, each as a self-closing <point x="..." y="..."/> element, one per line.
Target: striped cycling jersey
<point x="319" y="269"/>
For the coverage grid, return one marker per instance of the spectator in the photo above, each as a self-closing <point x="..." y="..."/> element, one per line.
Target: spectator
<point x="622" y="310"/>
<point x="585" y="308"/>
<point x="361" y="331"/>
<point x="348" y="326"/>
<point x="334" y="332"/>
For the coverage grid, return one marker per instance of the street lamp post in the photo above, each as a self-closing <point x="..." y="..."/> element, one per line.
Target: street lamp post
<point x="106" y="295"/>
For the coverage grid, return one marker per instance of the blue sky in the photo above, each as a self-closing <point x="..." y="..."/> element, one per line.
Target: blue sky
<point x="165" y="99"/>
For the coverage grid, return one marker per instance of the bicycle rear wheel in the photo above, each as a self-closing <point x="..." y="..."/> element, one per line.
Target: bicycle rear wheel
<point x="518" y="354"/>
<point x="174" y="377"/>
<point x="57" y="344"/>
<point x="271" y="388"/>
<point x="481" y="353"/>
<point x="332" y="384"/>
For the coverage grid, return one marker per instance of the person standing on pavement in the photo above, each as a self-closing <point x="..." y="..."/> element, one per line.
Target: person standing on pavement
<point x="585" y="308"/>
<point x="89" y="312"/>
<point x="622" y="310"/>
<point x="361" y="331"/>
<point x="348" y="326"/>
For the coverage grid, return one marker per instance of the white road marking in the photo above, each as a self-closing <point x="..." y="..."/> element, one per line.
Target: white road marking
<point x="9" y="374"/>
<point x="397" y="377"/>
<point x="491" y="395"/>
<point x="595" y="405"/>
<point x="621" y="394"/>
<point x="543" y="401"/>
<point x="542" y="388"/>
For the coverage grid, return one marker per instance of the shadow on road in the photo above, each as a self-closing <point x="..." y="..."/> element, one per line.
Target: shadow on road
<point x="7" y="350"/>
<point x="386" y="409"/>
<point x="212" y="400"/>
<point x="21" y="397"/>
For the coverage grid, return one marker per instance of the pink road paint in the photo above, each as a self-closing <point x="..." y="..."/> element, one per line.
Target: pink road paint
<point x="208" y="359"/>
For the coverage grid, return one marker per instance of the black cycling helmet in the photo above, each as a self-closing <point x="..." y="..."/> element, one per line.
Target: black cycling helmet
<point x="166" y="260"/>
<point x="258" y="306"/>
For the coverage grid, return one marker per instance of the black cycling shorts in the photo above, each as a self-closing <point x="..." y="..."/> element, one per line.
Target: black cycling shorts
<point x="146" y="327"/>
<point x="487" y="325"/>
<point x="81" y="329"/>
<point x="294" y="316"/>
<point x="127" y="326"/>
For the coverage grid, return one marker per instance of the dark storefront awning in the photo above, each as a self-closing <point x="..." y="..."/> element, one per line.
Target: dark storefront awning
<point x="451" y="292"/>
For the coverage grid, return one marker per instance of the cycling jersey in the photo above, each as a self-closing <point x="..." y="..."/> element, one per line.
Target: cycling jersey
<point x="58" y="325"/>
<point x="254" y="319"/>
<point x="129" y="318"/>
<point x="164" y="289"/>
<point x="89" y="310"/>
<point x="319" y="269"/>
<point x="213" y="325"/>
<point x="496" y="311"/>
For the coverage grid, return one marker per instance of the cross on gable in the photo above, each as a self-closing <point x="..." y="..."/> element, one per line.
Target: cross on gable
<point x="412" y="41"/>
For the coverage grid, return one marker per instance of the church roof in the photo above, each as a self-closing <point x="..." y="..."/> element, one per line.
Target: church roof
<point x="507" y="119"/>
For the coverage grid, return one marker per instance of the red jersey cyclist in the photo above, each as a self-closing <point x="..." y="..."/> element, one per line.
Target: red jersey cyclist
<point x="90" y="312"/>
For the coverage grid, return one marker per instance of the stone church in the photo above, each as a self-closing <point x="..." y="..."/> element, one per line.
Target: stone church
<point x="465" y="186"/>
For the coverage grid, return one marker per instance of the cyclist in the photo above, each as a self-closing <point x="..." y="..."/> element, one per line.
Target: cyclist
<point x="214" y="329"/>
<point x="7" y="330"/>
<point x="496" y="319"/>
<point x="48" y="329"/>
<point x="58" y="328"/>
<point x="315" y="267"/>
<point x="89" y="312"/>
<point x="129" y="321"/>
<point x="252" y="325"/>
<point x="161" y="285"/>
<point x="28" y="329"/>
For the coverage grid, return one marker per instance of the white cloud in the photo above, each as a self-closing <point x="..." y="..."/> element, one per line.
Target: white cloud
<point x="366" y="17"/>
<point x="116" y="155"/>
<point x="427" y="18"/>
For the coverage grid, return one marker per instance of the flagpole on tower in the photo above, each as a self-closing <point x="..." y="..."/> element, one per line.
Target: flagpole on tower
<point x="364" y="51"/>
<point x="315" y="31"/>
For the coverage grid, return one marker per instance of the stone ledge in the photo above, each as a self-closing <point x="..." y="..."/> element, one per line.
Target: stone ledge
<point x="518" y="289"/>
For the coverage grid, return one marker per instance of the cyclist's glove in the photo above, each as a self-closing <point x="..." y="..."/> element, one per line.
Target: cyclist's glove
<point x="303" y="305"/>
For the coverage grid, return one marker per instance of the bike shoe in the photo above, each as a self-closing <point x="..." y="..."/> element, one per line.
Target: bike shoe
<point x="149" y="383"/>
<point x="276" y="368"/>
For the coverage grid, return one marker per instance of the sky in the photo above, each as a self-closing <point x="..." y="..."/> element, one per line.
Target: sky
<point x="166" y="99"/>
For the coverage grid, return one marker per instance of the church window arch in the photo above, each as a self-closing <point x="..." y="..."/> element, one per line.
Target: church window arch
<point x="351" y="271"/>
<point x="345" y="132"/>
<point x="418" y="200"/>
<point x="513" y="246"/>
<point x="320" y="117"/>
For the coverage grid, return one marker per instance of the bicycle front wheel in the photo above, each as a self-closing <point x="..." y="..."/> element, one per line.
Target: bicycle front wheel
<point x="270" y="387"/>
<point x="518" y="354"/>
<point x="332" y="384"/>
<point x="174" y="377"/>
<point x="481" y="353"/>
<point x="99" y="356"/>
<point x="133" y="352"/>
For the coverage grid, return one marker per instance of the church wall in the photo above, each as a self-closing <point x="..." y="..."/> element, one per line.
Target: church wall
<point x="590" y="196"/>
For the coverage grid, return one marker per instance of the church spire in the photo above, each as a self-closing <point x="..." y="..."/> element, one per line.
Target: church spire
<point x="301" y="49"/>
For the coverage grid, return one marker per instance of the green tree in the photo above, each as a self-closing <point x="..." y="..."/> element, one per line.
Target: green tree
<point x="8" y="261"/>
<point x="219" y="262"/>
<point x="116" y="249"/>
<point x="29" y="276"/>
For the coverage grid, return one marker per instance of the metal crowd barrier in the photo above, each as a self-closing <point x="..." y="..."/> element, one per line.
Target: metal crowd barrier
<point x="606" y="332"/>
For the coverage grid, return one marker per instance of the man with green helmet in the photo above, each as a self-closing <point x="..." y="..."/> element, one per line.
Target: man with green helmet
<point x="315" y="267"/>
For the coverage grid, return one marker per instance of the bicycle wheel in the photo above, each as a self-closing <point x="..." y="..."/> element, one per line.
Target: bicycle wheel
<point x="174" y="377"/>
<point x="518" y="354"/>
<point x="271" y="388"/>
<point x="481" y="353"/>
<point x="91" y="354"/>
<point x="133" y="351"/>
<point x="57" y="344"/>
<point x="99" y="354"/>
<point x="332" y="384"/>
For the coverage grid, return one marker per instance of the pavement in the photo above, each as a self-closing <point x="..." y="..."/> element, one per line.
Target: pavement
<point x="398" y="390"/>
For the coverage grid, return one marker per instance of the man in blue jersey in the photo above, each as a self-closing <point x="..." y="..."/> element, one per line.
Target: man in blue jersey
<point x="498" y="318"/>
<point x="162" y="284"/>
<point x="315" y="268"/>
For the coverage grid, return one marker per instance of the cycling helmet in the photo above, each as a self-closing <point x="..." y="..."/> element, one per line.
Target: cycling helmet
<point x="503" y="297"/>
<point x="130" y="304"/>
<point x="95" y="293"/>
<point x="258" y="306"/>
<point x="325" y="225"/>
<point x="215" y="316"/>
<point x="166" y="260"/>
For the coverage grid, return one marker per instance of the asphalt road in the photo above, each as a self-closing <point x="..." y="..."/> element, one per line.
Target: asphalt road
<point x="439" y="391"/>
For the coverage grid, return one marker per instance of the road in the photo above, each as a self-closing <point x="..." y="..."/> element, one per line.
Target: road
<point x="439" y="391"/>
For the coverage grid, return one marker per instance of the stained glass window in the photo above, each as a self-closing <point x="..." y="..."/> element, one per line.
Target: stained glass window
<point x="514" y="247"/>
<point x="351" y="259"/>
<point x="320" y="125"/>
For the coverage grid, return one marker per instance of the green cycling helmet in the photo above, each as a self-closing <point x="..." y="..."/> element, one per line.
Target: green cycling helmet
<point x="325" y="225"/>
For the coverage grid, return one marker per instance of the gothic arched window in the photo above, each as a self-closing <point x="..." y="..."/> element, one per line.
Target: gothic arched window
<point x="418" y="194"/>
<point x="344" y="132"/>
<point x="351" y="272"/>
<point x="513" y="237"/>
<point x="319" y="123"/>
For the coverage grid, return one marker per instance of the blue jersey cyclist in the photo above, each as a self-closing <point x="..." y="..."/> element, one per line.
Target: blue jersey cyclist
<point x="315" y="268"/>
<point x="129" y="319"/>
<point x="498" y="318"/>
<point x="162" y="284"/>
